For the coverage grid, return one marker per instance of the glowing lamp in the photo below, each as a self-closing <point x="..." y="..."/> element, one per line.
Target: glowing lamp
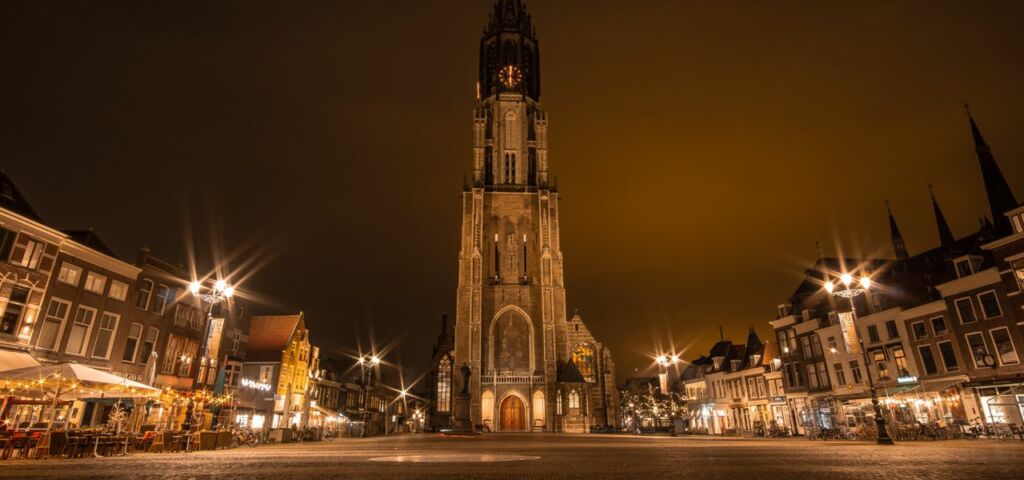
<point x="847" y="279"/>
<point x="220" y="285"/>
<point x="229" y="292"/>
<point x="194" y="288"/>
<point x="865" y="283"/>
<point x="829" y="286"/>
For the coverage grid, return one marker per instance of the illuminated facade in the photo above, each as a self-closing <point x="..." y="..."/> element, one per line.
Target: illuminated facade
<point x="511" y="325"/>
<point x="276" y="373"/>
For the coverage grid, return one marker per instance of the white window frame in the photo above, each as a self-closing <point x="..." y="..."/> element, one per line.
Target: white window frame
<point x="138" y="341"/>
<point x="914" y="332"/>
<point x="148" y="291"/>
<point x="117" y="285"/>
<point x="33" y="253"/>
<point x="86" y="336"/>
<point x="970" y="349"/>
<point x="981" y="305"/>
<point x="935" y="359"/>
<point x="113" y="334"/>
<point x="931" y="324"/>
<point x="156" y="337"/>
<point x="952" y="350"/>
<point x="956" y="306"/>
<point x="60" y="331"/>
<point x="94" y="280"/>
<point x="970" y="267"/>
<point x="1017" y="267"/>
<point x="995" y="346"/>
<point x="70" y="267"/>
<point x="164" y="298"/>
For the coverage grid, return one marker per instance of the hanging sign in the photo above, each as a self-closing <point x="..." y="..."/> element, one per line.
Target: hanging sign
<point x="849" y="329"/>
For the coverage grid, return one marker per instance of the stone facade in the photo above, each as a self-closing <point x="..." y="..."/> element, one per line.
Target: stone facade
<point x="511" y="327"/>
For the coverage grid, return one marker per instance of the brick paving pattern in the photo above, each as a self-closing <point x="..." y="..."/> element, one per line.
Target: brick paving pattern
<point x="561" y="457"/>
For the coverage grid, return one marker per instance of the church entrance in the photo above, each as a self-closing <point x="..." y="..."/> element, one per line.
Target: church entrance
<point x="513" y="414"/>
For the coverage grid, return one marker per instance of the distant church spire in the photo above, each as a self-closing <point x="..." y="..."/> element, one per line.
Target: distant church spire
<point x="1000" y="196"/>
<point x="898" y="245"/>
<point x="946" y="238"/>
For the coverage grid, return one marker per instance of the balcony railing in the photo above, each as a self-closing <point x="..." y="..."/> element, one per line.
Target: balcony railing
<point x="504" y="379"/>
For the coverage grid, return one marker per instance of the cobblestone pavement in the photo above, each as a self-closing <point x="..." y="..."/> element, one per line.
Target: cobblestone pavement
<point x="560" y="457"/>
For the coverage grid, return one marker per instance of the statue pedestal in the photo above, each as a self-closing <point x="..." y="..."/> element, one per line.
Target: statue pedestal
<point x="462" y="421"/>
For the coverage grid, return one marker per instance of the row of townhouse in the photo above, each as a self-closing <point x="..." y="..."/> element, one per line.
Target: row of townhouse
<point x="734" y="388"/>
<point x="66" y="297"/>
<point x="938" y="334"/>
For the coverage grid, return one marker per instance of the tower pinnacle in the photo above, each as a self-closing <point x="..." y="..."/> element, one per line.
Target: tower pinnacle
<point x="898" y="245"/>
<point x="946" y="238"/>
<point x="1000" y="196"/>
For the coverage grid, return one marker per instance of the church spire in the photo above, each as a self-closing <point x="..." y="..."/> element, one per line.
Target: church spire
<point x="946" y="238"/>
<point x="1000" y="196"/>
<point x="898" y="245"/>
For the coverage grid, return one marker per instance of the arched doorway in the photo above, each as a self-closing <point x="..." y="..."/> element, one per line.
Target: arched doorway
<point x="513" y="414"/>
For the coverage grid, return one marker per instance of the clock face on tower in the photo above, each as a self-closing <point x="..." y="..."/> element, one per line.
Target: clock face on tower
<point x="510" y="76"/>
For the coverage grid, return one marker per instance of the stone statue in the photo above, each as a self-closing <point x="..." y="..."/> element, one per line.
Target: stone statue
<point x="465" y="378"/>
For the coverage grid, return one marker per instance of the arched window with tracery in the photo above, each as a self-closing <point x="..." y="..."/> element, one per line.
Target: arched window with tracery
<point x="574" y="399"/>
<point x="444" y="384"/>
<point x="583" y="357"/>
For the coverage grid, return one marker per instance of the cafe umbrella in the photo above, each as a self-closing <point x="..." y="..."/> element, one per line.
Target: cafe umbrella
<point x="71" y="380"/>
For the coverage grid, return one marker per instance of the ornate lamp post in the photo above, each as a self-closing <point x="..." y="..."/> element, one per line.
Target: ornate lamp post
<point x="664" y="361"/>
<point x="849" y="293"/>
<point x="220" y="292"/>
<point x="365" y="362"/>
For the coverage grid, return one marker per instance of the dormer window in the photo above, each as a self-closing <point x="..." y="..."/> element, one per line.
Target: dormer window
<point x="718" y="362"/>
<point x="754" y="360"/>
<point x="967" y="265"/>
<point x="736" y="364"/>
<point x="1017" y="219"/>
<point x="784" y="310"/>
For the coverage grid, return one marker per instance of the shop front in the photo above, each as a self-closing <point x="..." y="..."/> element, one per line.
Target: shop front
<point x="1002" y="404"/>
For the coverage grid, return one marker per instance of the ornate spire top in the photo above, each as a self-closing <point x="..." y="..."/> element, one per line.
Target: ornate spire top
<point x="898" y="245"/>
<point x="510" y="15"/>
<point x="1000" y="196"/>
<point x="946" y="238"/>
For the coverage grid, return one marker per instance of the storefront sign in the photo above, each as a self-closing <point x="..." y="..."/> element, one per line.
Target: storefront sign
<point x="779" y="399"/>
<point x="213" y="340"/>
<point x="906" y="379"/>
<point x="263" y="387"/>
<point x="849" y="330"/>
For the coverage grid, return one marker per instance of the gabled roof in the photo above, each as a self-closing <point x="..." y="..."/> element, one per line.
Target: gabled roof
<point x="721" y="349"/>
<point x="89" y="239"/>
<point x="269" y="336"/>
<point x="568" y="372"/>
<point x="12" y="199"/>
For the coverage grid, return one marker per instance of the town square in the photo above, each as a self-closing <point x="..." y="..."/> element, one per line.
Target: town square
<point x="349" y="240"/>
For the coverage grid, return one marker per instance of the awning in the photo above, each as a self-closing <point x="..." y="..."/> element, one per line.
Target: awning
<point x="896" y="390"/>
<point x="14" y="359"/>
<point x="943" y="384"/>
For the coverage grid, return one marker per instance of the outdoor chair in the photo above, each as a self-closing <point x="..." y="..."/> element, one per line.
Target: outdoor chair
<point x="73" y="447"/>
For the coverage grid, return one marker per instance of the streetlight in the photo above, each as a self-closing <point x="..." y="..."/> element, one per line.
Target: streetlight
<point x="364" y="362"/>
<point x="664" y="361"/>
<point x="220" y="292"/>
<point x="863" y="285"/>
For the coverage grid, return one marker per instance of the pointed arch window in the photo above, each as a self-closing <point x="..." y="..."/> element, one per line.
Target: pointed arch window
<point x="574" y="399"/>
<point x="444" y="384"/>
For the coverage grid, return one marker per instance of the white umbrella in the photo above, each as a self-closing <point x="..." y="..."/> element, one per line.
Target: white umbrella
<point x="74" y="379"/>
<point x="13" y="359"/>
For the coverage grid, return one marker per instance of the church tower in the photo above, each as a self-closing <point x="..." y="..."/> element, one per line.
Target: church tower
<point x="510" y="325"/>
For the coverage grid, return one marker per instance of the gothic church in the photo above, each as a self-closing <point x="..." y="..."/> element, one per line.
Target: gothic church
<point x="532" y="368"/>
